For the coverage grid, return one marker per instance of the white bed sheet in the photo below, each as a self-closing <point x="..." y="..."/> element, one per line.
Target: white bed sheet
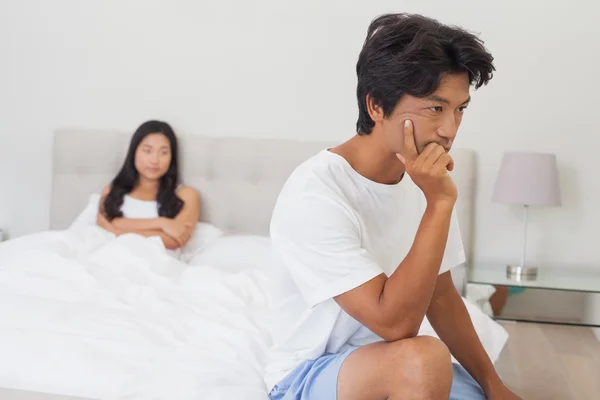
<point x="237" y="252"/>
<point x="86" y="314"/>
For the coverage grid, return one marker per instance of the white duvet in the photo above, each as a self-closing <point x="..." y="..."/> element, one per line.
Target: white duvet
<point x="86" y="314"/>
<point x="94" y="316"/>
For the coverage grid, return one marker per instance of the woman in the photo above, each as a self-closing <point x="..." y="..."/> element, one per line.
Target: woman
<point x="144" y="197"/>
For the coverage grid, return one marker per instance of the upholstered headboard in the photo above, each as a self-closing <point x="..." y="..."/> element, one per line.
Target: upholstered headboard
<point x="238" y="178"/>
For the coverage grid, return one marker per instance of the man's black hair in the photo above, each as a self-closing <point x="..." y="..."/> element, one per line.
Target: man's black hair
<point x="410" y="54"/>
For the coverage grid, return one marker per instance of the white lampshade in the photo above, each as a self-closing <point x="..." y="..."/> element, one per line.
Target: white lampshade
<point x="528" y="179"/>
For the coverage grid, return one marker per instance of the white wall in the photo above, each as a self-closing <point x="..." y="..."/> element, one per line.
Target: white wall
<point x="271" y="68"/>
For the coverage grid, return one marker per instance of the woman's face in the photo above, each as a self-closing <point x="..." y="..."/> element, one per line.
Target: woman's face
<point x="153" y="156"/>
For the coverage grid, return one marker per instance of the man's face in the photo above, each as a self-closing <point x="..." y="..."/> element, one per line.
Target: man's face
<point x="436" y="118"/>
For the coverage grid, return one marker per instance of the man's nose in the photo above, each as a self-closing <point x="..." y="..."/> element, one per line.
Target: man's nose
<point x="449" y="128"/>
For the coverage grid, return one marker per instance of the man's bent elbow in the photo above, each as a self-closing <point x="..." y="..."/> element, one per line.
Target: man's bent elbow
<point x="399" y="331"/>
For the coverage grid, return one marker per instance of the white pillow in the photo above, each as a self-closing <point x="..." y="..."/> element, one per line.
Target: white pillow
<point x="88" y="216"/>
<point x="236" y="251"/>
<point x="204" y="235"/>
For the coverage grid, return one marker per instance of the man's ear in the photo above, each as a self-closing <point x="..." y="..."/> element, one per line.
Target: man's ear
<point x="375" y="109"/>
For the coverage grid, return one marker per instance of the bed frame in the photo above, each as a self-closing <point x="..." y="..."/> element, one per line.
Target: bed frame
<point x="238" y="180"/>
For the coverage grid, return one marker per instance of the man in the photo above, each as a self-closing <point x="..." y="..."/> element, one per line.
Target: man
<point x="364" y="235"/>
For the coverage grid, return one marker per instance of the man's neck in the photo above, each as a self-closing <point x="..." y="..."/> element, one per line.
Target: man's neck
<point x="371" y="158"/>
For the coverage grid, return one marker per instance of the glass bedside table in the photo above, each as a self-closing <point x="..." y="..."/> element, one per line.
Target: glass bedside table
<point x="555" y="279"/>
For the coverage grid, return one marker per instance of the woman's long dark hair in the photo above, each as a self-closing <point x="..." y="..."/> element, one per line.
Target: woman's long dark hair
<point x="169" y="205"/>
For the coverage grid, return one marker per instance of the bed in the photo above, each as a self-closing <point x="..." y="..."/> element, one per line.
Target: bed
<point x="150" y="334"/>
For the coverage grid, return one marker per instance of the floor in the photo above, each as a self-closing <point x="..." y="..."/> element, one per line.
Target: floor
<point x="548" y="362"/>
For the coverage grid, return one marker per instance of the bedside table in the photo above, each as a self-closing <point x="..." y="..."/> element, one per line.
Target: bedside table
<point x="557" y="279"/>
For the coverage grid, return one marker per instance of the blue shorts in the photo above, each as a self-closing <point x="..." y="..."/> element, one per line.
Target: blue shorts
<point x="317" y="379"/>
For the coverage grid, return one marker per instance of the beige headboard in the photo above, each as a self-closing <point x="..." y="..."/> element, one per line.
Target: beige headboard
<point x="238" y="178"/>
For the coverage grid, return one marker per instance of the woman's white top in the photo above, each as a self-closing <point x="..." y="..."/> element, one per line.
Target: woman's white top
<point x="143" y="209"/>
<point x="139" y="209"/>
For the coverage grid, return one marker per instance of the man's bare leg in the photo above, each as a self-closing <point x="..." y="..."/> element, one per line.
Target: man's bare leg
<point x="417" y="368"/>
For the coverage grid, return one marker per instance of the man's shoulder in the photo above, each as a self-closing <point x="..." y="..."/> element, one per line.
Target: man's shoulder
<point x="313" y="189"/>
<point x="318" y="175"/>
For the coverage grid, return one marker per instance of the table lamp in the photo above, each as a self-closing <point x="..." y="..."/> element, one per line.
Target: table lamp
<point x="527" y="179"/>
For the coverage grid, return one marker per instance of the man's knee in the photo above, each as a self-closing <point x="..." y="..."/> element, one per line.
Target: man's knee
<point x="425" y="358"/>
<point x="427" y="351"/>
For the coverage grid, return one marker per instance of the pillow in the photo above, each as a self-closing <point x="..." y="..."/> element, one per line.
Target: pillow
<point x="204" y="235"/>
<point x="88" y="216"/>
<point x="235" y="251"/>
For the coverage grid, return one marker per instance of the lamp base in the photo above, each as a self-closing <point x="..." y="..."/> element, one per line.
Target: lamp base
<point x="521" y="273"/>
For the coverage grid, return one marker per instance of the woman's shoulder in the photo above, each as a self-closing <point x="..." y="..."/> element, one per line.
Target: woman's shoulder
<point x="187" y="193"/>
<point x="106" y="190"/>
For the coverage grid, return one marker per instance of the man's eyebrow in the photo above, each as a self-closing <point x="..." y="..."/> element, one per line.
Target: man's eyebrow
<point x="443" y="100"/>
<point x="438" y="99"/>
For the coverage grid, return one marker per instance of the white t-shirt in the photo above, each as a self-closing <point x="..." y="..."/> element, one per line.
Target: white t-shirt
<point x="332" y="230"/>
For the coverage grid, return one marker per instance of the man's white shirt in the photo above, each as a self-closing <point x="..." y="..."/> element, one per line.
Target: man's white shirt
<point x="332" y="230"/>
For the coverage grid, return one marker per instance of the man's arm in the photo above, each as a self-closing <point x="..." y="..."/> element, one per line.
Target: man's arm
<point x="394" y="307"/>
<point x="450" y="319"/>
